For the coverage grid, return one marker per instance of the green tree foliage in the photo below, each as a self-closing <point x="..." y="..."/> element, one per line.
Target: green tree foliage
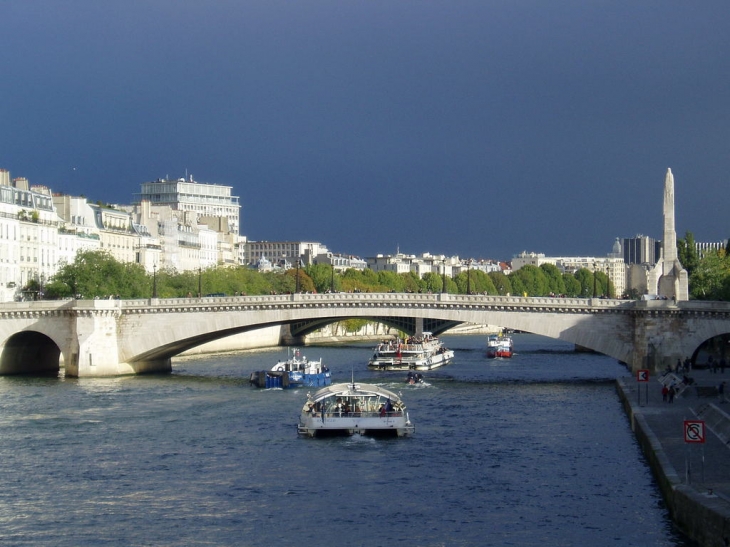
<point x="96" y="274"/>
<point x="585" y="278"/>
<point x="710" y="280"/>
<point x="501" y="283"/>
<point x="321" y="276"/>
<point x="432" y="282"/>
<point x="354" y="325"/>
<point x="391" y="281"/>
<point x="687" y="252"/>
<point x="518" y="285"/>
<point x="533" y="281"/>
<point x="476" y="281"/>
<point x="572" y="285"/>
<point x="556" y="282"/>
<point x="359" y="281"/>
<point x="413" y="283"/>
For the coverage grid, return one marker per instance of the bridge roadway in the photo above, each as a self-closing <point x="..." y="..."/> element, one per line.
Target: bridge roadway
<point x="114" y="337"/>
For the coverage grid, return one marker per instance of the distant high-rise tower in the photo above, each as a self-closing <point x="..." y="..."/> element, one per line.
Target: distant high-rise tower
<point x="668" y="278"/>
<point x="641" y="250"/>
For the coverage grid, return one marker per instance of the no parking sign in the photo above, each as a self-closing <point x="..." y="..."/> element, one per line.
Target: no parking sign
<point x="694" y="431"/>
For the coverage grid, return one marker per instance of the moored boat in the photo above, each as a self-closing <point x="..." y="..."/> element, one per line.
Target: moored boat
<point x="296" y="371"/>
<point x="499" y="346"/>
<point x="348" y="409"/>
<point x="424" y="352"/>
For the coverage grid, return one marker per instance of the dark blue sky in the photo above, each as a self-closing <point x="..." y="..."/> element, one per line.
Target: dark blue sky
<point x="469" y="127"/>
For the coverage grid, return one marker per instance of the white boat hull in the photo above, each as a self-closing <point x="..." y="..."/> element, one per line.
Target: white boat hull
<point x="412" y="363"/>
<point x="397" y="424"/>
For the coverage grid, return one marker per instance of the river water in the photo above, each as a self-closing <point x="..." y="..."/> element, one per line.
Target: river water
<point x="534" y="450"/>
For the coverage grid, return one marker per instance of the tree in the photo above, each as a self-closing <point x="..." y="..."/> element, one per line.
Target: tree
<point x="432" y="282"/>
<point x="687" y="252"/>
<point x="572" y="285"/>
<point x="322" y="276"/>
<point x="412" y="282"/>
<point x="391" y="281"/>
<point x="533" y="280"/>
<point x="710" y="280"/>
<point x="556" y="282"/>
<point x="97" y="274"/>
<point x="476" y="281"/>
<point x="501" y="283"/>
<point x="585" y="279"/>
<point x="518" y="285"/>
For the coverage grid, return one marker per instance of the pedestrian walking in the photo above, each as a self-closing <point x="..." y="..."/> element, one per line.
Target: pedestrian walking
<point x="665" y="392"/>
<point x="671" y="393"/>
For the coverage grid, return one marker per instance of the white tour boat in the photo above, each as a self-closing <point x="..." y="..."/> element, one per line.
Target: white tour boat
<point x="348" y="409"/>
<point x="423" y="352"/>
<point x="296" y="371"/>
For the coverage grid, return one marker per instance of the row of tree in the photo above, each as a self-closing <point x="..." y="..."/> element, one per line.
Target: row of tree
<point x="96" y="274"/>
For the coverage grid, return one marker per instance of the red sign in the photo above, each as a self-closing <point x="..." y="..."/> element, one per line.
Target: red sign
<point x="694" y="431"/>
<point x="642" y="375"/>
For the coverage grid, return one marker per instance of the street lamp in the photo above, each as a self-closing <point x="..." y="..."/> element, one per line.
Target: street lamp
<point x="200" y="281"/>
<point x="297" y="276"/>
<point x="468" y="277"/>
<point x="594" y="279"/>
<point x="40" y="290"/>
<point x="443" y="289"/>
<point x="332" y="281"/>
<point x="154" y="280"/>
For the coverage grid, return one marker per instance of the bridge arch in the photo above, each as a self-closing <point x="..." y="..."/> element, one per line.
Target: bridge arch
<point x="30" y="352"/>
<point x="717" y="346"/>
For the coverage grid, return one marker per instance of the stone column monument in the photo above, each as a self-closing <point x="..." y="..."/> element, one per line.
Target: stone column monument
<point x="668" y="278"/>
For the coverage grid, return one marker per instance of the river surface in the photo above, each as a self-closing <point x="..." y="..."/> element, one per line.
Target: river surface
<point x="533" y="450"/>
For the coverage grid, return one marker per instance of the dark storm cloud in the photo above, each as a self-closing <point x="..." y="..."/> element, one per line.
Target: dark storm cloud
<point x="469" y="127"/>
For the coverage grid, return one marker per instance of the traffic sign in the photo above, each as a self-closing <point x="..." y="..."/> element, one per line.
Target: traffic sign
<point x="642" y="375"/>
<point x="694" y="431"/>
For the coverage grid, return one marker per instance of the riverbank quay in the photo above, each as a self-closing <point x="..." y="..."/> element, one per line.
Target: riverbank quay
<point x="694" y="477"/>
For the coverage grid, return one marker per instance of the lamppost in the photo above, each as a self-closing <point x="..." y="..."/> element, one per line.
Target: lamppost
<point x="297" y="276"/>
<point x="594" y="279"/>
<point x="154" y="280"/>
<point x="468" y="277"/>
<point x="443" y="288"/>
<point x="200" y="281"/>
<point x="40" y="290"/>
<point x="332" y="280"/>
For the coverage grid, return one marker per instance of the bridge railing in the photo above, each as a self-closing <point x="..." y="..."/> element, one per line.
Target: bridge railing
<point x="363" y="298"/>
<point x="406" y="299"/>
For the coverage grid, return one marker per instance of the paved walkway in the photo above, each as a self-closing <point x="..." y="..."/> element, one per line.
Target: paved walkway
<point x="704" y="468"/>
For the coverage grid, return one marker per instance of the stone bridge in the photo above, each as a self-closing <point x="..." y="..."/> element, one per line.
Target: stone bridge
<point x="115" y="337"/>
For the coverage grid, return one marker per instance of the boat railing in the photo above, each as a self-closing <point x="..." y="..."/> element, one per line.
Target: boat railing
<point x="375" y="414"/>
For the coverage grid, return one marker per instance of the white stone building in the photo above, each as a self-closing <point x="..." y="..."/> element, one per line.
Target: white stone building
<point x="212" y="201"/>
